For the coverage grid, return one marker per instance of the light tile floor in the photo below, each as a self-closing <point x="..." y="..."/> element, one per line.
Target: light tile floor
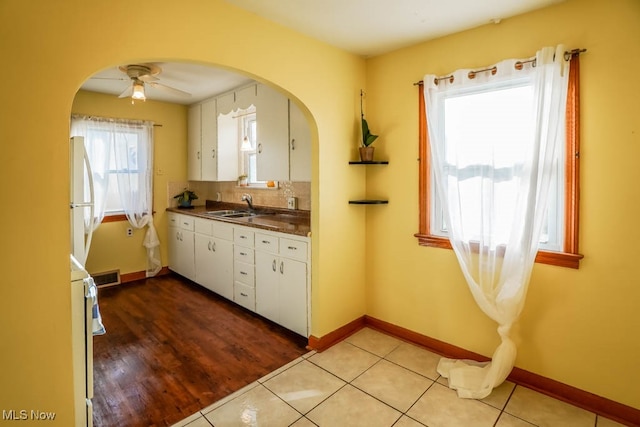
<point x="372" y="379"/>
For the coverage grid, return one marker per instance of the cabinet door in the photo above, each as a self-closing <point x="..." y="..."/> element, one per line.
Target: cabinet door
<point x="209" y="138"/>
<point x="173" y="244"/>
<point x="185" y="264"/>
<point x="214" y="260"/>
<point x="267" y="278"/>
<point x="272" y="116"/>
<point x="194" y="143"/>
<point x="299" y="145"/>
<point x="292" y="293"/>
<point x="222" y="280"/>
<point x="204" y="261"/>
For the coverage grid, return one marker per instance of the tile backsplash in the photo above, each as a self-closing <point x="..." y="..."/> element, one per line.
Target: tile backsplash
<point x="231" y="192"/>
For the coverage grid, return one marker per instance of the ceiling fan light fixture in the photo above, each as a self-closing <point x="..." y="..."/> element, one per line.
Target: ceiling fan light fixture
<point x="138" y="91"/>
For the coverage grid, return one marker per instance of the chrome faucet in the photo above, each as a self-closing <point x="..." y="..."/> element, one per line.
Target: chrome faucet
<point x="247" y="198"/>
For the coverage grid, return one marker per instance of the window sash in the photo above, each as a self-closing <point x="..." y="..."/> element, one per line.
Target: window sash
<point x="515" y="90"/>
<point x="569" y="255"/>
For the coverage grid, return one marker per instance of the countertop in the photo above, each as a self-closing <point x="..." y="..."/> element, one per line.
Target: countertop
<point x="288" y="221"/>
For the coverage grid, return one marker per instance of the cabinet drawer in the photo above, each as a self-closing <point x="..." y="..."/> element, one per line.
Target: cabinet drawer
<point x="293" y="249"/>
<point x="204" y="226"/>
<point x="244" y="295"/>
<point x="222" y="230"/>
<point x="243" y="236"/>
<point x="186" y="222"/>
<point x="240" y="253"/>
<point x="173" y="219"/>
<point x="266" y="242"/>
<point x="243" y="272"/>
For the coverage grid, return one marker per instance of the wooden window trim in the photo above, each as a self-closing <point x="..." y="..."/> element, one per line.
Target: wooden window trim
<point x="569" y="257"/>
<point x="117" y="217"/>
<point x="114" y="218"/>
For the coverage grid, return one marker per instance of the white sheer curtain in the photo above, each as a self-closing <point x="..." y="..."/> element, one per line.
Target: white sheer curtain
<point x="99" y="151"/>
<point x="124" y="148"/>
<point x="496" y="255"/>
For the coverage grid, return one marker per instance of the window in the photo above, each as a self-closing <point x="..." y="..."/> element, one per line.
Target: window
<point x="129" y="169"/>
<point x="119" y="153"/>
<point x="494" y="112"/>
<point x="247" y="147"/>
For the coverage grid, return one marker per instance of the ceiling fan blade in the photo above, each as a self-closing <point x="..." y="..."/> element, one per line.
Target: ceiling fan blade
<point x="170" y="89"/>
<point x="109" y="78"/>
<point x="127" y="92"/>
<point x="148" y="78"/>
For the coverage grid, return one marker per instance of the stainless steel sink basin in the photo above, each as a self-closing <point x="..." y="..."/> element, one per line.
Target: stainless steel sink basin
<point x="230" y="214"/>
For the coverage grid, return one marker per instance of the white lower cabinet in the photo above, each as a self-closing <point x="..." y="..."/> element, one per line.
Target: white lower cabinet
<point x="281" y="281"/>
<point x="181" y="245"/>
<point x="263" y="271"/>
<point x="214" y="256"/>
<point x="244" y="292"/>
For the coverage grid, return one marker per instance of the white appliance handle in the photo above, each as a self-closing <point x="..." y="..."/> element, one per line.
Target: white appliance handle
<point x="87" y="243"/>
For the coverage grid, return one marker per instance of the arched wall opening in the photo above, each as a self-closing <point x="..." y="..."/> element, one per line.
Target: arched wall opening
<point x="69" y="46"/>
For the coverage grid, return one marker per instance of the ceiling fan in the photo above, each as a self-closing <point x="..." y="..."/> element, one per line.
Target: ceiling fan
<point x="140" y="75"/>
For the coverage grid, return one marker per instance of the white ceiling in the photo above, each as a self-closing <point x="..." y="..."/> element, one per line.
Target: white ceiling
<point x="373" y="27"/>
<point x="363" y="27"/>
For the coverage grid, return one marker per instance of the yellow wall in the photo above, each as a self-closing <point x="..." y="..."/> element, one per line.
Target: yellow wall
<point x="52" y="47"/>
<point x="581" y="326"/>
<point x="111" y="248"/>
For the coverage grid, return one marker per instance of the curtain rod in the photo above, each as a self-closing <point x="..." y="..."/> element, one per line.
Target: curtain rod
<point x="567" y="56"/>
<point x="114" y="119"/>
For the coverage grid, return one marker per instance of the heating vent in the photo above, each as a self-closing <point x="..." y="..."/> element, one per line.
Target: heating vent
<point x="107" y="278"/>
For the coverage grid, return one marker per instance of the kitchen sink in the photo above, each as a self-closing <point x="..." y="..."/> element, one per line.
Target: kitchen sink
<point x="230" y="214"/>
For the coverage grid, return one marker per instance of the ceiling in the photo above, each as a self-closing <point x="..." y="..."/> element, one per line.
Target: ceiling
<point x="363" y="27"/>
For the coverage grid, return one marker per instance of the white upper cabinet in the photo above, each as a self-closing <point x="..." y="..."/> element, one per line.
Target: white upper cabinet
<point x="299" y="145"/>
<point x="283" y="137"/>
<point x="209" y="126"/>
<point x="272" y="117"/>
<point x="208" y="159"/>
<point x="194" y="144"/>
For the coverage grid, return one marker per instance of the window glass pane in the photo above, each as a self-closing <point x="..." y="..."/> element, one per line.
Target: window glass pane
<point x="488" y="132"/>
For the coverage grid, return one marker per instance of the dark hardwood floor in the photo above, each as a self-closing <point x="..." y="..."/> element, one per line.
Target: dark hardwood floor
<point x="173" y="348"/>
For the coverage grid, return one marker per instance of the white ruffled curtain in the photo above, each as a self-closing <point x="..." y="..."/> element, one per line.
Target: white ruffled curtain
<point x="496" y="255"/>
<point x="123" y="147"/>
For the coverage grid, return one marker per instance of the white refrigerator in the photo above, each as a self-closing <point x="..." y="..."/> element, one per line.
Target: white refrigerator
<point x="85" y="316"/>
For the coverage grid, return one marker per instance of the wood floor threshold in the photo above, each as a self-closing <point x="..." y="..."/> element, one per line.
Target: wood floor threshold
<point x="588" y="401"/>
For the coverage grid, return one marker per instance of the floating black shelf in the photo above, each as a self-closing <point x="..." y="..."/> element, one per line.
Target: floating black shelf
<point x="374" y="162"/>
<point x="368" y="202"/>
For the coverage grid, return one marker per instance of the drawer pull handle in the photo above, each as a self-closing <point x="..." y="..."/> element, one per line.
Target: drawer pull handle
<point x="292" y="248"/>
<point x="243" y="294"/>
<point x="243" y="237"/>
<point x="266" y="242"/>
<point x="243" y="253"/>
<point x="243" y="273"/>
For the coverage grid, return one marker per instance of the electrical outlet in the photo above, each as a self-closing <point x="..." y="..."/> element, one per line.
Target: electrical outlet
<point x="129" y="232"/>
<point x="292" y="203"/>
